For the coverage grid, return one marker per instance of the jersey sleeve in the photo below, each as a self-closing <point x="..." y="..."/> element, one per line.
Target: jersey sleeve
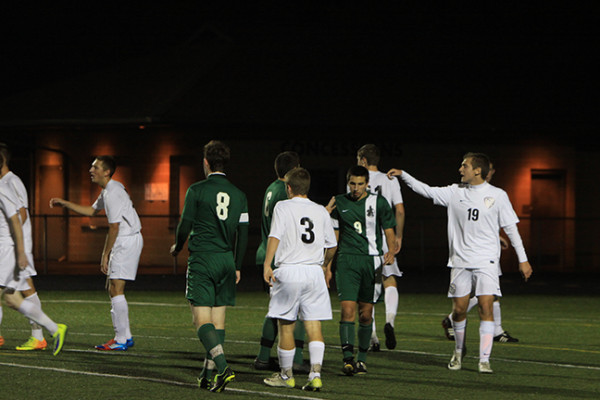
<point x="277" y="222"/>
<point x="440" y="195"/>
<point x="507" y="215"/>
<point x="385" y="211"/>
<point x="328" y="230"/>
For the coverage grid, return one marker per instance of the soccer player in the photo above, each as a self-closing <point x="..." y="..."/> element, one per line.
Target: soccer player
<point x="476" y="212"/>
<point x="13" y="259"/>
<point x="500" y="335"/>
<point x="276" y="192"/>
<point x="359" y="218"/>
<point x="36" y="340"/>
<point x="122" y="248"/>
<point x="368" y="156"/>
<point x="302" y="243"/>
<point x="215" y="217"/>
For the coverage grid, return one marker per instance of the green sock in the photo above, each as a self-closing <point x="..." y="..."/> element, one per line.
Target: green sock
<point x="210" y="339"/>
<point x="269" y="333"/>
<point x="364" y="340"/>
<point x="299" y="332"/>
<point x="347" y="338"/>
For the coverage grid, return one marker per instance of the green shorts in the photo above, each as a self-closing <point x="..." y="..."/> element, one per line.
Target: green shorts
<point x="355" y="277"/>
<point x="211" y="279"/>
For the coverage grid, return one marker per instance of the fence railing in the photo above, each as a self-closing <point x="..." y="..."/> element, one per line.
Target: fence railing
<point x="557" y="244"/>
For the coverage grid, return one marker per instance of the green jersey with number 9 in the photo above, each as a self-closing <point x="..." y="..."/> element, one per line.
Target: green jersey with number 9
<point x="361" y="222"/>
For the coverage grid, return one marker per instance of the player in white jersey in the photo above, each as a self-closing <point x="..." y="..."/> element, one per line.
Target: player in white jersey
<point x="13" y="260"/>
<point x="302" y="242"/>
<point x="14" y="183"/>
<point x="476" y="213"/>
<point x="123" y="246"/>
<point x="500" y="335"/>
<point x="368" y="156"/>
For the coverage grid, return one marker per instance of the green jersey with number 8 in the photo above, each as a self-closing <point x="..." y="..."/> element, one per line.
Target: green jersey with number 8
<point x="215" y="207"/>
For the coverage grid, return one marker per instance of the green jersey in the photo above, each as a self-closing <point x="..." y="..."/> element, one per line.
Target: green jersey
<point x="360" y="223"/>
<point x="215" y="208"/>
<point x="274" y="193"/>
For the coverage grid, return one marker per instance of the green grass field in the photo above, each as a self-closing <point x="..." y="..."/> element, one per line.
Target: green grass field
<point x="558" y="355"/>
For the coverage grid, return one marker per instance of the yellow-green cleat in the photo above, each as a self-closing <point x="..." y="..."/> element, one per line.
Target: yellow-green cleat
<point x="59" y="338"/>
<point x="33" y="344"/>
<point x="278" y="380"/>
<point x="313" y="385"/>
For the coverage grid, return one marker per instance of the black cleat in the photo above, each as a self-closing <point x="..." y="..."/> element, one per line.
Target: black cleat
<point x="390" y="337"/>
<point x="221" y="380"/>
<point x="448" y="330"/>
<point x="505" y="337"/>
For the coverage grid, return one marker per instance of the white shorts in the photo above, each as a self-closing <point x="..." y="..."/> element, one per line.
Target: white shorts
<point x="392" y="269"/>
<point x="300" y="292"/>
<point x="481" y="281"/>
<point x="125" y="257"/>
<point x="10" y="273"/>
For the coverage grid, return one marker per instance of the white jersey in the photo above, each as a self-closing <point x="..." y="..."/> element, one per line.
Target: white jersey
<point x="304" y="230"/>
<point x="475" y="215"/>
<point x="388" y="188"/>
<point x="115" y="201"/>
<point x="8" y="208"/>
<point x="16" y="185"/>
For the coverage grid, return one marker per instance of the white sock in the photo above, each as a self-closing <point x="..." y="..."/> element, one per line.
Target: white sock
<point x="120" y="318"/>
<point x="286" y="361"/>
<point x="486" y="340"/>
<point x="391" y="304"/>
<point x="374" y="338"/>
<point x="460" y="329"/>
<point x="35" y="313"/>
<point x="36" y="329"/>
<point x="472" y="303"/>
<point x="316" y="351"/>
<point x="497" y="319"/>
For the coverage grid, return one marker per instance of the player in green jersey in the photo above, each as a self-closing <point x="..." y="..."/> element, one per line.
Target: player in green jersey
<point x="215" y="217"/>
<point x="359" y="217"/>
<point x="276" y="192"/>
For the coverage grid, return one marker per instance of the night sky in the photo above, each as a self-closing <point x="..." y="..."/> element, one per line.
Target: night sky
<point x="531" y="69"/>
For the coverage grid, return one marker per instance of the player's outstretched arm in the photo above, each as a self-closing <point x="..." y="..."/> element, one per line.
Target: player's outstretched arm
<point x="88" y="211"/>
<point x="394" y="172"/>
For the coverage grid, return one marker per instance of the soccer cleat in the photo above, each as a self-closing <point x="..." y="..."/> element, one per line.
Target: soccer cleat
<point x="129" y="342"/>
<point x="204" y="383"/>
<point x="59" y="338"/>
<point x="221" y="380"/>
<point x="455" y="363"/>
<point x="505" y="337"/>
<point x="484" y="368"/>
<point x="277" y="380"/>
<point x="313" y="385"/>
<point x="360" y="368"/>
<point x="261" y="365"/>
<point x="390" y="337"/>
<point x="375" y="347"/>
<point x="448" y="330"/>
<point x="33" y="344"/>
<point x="1" y="341"/>
<point x="112" y="345"/>
<point x="349" y="367"/>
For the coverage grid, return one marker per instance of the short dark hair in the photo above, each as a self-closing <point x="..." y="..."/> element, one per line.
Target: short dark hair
<point x="4" y="155"/>
<point x="479" y="160"/>
<point x="370" y="152"/>
<point x="285" y="162"/>
<point x="299" y="180"/>
<point x="357" y="170"/>
<point x="217" y="154"/>
<point x="109" y="163"/>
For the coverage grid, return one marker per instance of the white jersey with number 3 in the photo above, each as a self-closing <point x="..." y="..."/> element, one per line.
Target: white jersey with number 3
<point x="304" y="229"/>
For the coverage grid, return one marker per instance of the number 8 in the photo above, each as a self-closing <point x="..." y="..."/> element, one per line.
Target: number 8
<point x="222" y="204"/>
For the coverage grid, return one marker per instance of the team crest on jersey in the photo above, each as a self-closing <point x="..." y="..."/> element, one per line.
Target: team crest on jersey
<point x="370" y="212"/>
<point x="489" y="202"/>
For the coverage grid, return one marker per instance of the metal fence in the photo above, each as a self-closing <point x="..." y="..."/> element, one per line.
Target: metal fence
<point x="552" y="244"/>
